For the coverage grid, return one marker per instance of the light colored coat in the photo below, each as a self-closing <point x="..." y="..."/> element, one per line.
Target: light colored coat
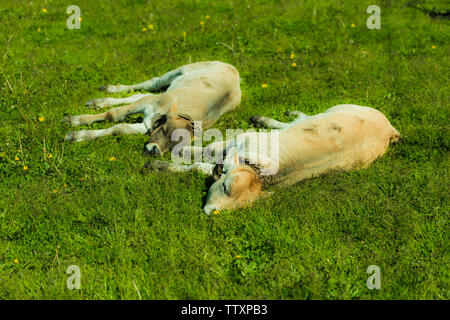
<point x="203" y="91"/>
<point x="344" y="137"/>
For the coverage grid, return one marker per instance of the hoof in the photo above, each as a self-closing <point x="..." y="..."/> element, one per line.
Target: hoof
<point x="65" y="120"/>
<point x="96" y="104"/>
<point x="108" y="88"/>
<point x="148" y="165"/>
<point x="156" y="165"/>
<point x="256" y="120"/>
<point x="68" y="120"/>
<point x="91" y="104"/>
<point x="72" y="121"/>
<point x="70" y="137"/>
<point x="111" y="88"/>
<point x="295" y="113"/>
<point x="76" y="136"/>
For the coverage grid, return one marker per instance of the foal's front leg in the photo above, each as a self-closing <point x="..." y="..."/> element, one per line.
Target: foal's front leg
<point x="119" y="129"/>
<point x="213" y="152"/>
<point x="206" y="168"/>
<point x="115" y="115"/>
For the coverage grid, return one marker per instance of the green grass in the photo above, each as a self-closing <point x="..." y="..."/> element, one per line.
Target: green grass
<point x="127" y="229"/>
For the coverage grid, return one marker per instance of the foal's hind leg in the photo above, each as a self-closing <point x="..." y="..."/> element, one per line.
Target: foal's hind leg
<point x="108" y="102"/>
<point x="265" y="122"/>
<point x="153" y="84"/>
<point x="260" y="121"/>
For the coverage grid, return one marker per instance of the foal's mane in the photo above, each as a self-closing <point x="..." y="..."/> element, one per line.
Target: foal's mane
<point x="265" y="180"/>
<point x="162" y="119"/>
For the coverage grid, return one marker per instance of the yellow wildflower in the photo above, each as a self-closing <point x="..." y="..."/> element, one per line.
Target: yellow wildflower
<point x="25" y="168"/>
<point x="55" y="191"/>
<point x="215" y="212"/>
<point x="38" y="29"/>
<point x="238" y="257"/>
<point x="264" y="85"/>
<point x="112" y="159"/>
<point x="151" y="26"/>
<point x="81" y="19"/>
<point x="207" y="17"/>
<point x="144" y="29"/>
<point x="16" y="158"/>
<point x="433" y="47"/>
<point x="352" y="25"/>
<point x="294" y="64"/>
<point x="16" y="261"/>
<point x="292" y="56"/>
<point x="202" y="23"/>
<point x="41" y="119"/>
<point x="2" y="154"/>
<point x="49" y="156"/>
<point x="44" y="10"/>
<point x="184" y="34"/>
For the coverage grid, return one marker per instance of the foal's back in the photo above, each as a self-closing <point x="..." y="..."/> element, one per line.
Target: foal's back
<point x="343" y="137"/>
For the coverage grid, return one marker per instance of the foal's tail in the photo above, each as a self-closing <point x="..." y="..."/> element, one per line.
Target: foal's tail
<point x="395" y="137"/>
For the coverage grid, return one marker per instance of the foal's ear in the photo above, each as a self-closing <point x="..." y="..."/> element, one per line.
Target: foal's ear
<point x="217" y="171"/>
<point x="159" y="121"/>
<point x="232" y="157"/>
<point x="173" y="109"/>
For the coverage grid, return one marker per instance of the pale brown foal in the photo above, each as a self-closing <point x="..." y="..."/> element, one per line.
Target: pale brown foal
<point x="343" y="137"/>
<point x="201" y="91"/>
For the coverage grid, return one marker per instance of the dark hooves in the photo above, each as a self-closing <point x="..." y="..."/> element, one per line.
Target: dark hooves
<point x="256" y="120"/>
<point x="156" y="165"/>
<point x="148" y="165"/>
<point x="102" y="88"/>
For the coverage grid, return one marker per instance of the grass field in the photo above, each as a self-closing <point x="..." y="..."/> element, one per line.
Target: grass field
<point x="136" y="234"/>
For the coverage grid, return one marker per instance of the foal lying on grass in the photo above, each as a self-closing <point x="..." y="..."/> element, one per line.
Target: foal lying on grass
<point x="201" y="91"/>
<point x="344" y="137"/>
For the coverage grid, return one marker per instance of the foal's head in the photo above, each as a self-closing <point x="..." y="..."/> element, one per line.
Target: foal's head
<point x="161" y="133"/>
<point x="237" y="185"/>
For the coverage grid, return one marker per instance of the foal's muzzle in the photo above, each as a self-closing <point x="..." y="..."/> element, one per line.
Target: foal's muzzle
<point x="153" y="150"/>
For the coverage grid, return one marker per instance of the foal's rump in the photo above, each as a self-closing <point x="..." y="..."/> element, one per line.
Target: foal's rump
<point x="373" y="121"/>
<point x="344" y="137"/>
<point x="206" y="90"/>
